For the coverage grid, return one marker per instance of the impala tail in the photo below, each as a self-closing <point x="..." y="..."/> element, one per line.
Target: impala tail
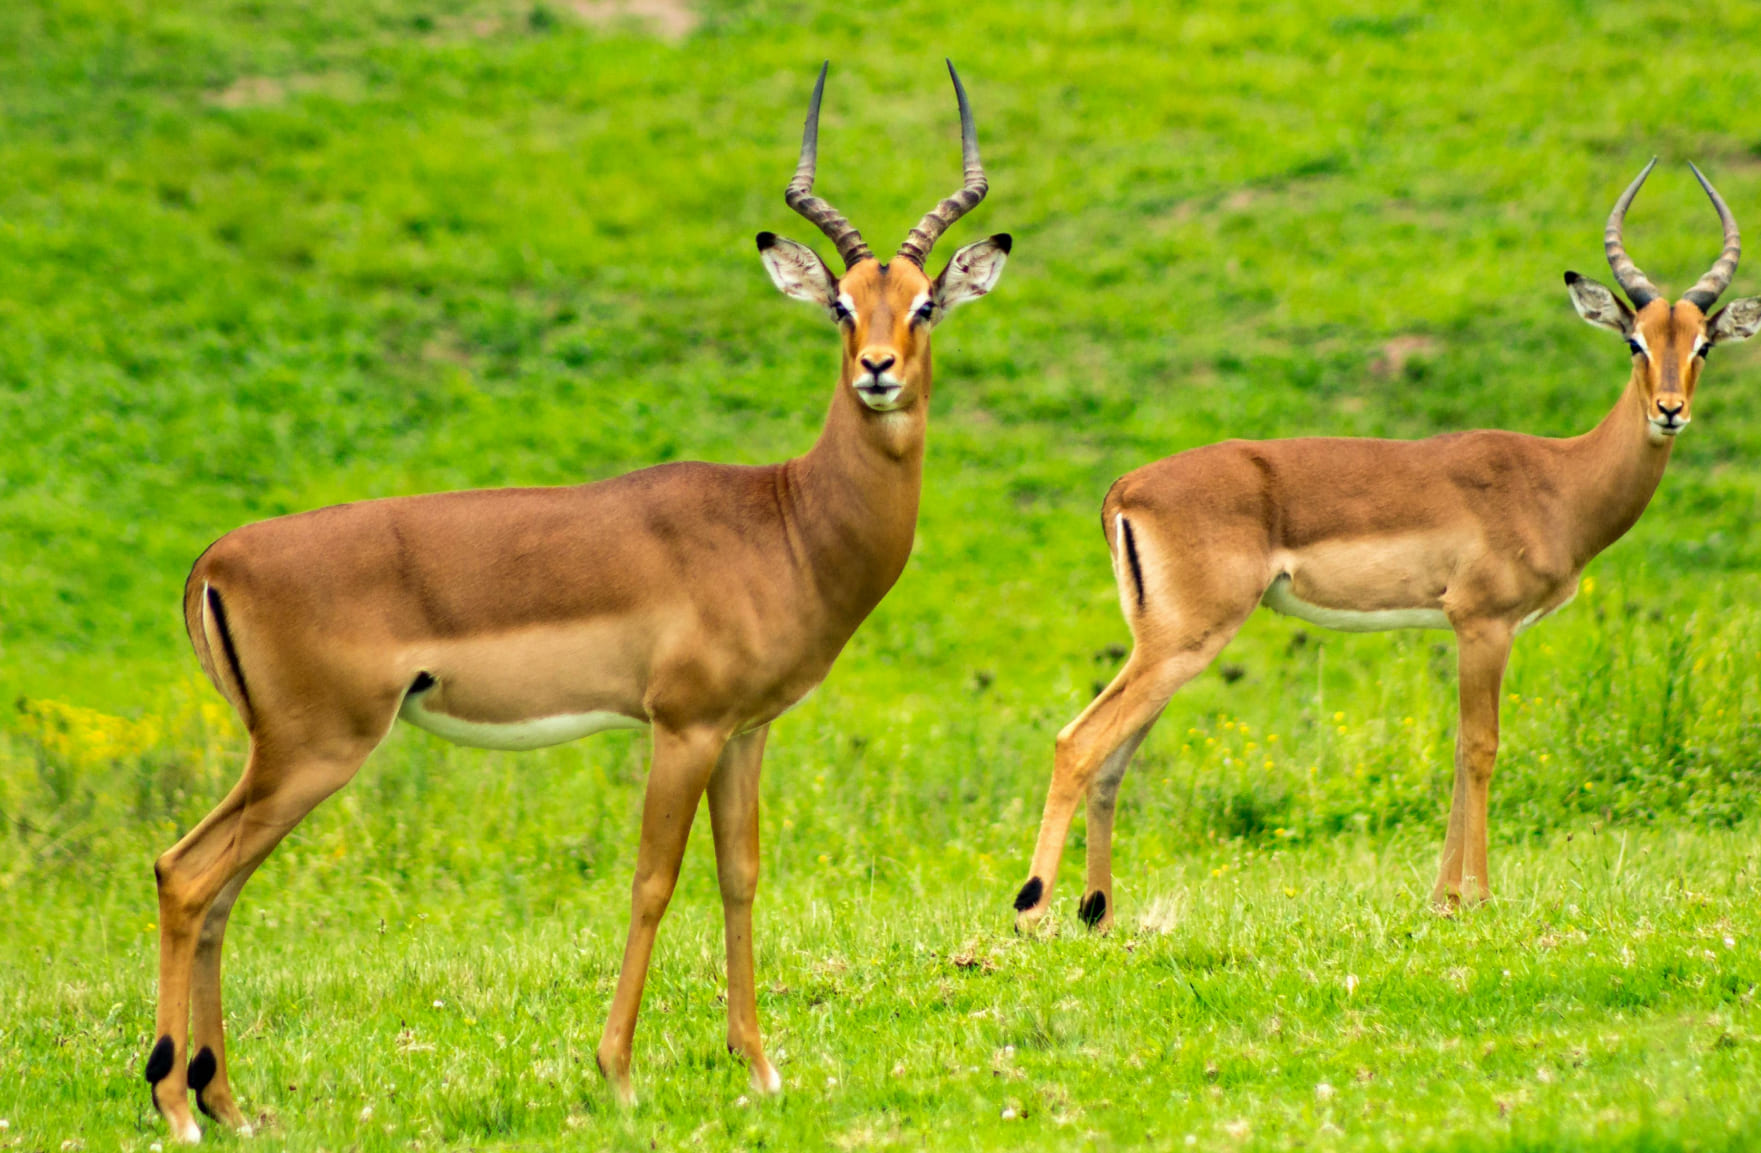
<point x="204" y="618"/>
<point x="1127" y="551"/>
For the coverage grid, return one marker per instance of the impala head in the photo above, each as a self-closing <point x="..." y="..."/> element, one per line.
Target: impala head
<point x="884" y="311"/>
<point x="1669" y="342"/>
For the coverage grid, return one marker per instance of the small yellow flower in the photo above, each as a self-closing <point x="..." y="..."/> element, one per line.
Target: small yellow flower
<point x="1339" y="716"/>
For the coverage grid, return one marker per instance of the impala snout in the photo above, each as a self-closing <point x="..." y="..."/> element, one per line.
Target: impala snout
<point x="875" y="382"/>
<point x="1670" y="414"/>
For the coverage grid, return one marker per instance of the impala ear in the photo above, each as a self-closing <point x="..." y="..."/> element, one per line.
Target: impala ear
<point x="1738" y="320"/>
<point x="1599" y="306"/>
<point x="972" y="272"/>
<point x="797" y="270"/>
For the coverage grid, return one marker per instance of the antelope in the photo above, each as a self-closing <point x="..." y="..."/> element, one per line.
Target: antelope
<point x="1481" y="532"/>
<point x="698" y="601"/>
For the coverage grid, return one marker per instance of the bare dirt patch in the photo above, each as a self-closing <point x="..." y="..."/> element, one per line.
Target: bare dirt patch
<point x="672" y="19"/>
<point x="264" y="91"/>
<point x="1396" y="352"/>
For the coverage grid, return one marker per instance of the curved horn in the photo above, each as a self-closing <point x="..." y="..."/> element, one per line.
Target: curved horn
<point x="799" y="194"/>
<point x="1717" y="279"/>
<point x="936" y="220"/>
<point x="1639" y="290"/>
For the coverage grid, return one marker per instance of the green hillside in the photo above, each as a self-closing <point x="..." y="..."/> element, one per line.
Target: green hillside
<point x="258" y="257"/>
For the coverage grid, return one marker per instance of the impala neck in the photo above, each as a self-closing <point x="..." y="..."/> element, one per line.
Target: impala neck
<point x="852" y="499"/>
<point x="1615" y="467"/>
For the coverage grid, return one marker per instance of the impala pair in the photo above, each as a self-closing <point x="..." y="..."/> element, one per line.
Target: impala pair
<point x="702" y="601"/>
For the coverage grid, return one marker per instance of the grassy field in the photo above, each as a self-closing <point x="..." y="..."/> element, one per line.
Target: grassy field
<point x="260" y="257"/>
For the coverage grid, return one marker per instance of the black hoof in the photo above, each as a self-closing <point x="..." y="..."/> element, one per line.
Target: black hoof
<point x="1029" y="895"/>
<point x="1093" y="908"/>
<point x="202" y="1069"/>
<point x="159" y="1061"/>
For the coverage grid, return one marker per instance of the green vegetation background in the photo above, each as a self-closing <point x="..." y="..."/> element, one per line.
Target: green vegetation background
<point x="258" y="257"/>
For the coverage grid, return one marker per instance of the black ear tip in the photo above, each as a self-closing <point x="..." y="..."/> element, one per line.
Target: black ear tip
<point x="766" y="240"/>
<point x="1572" y="278"/>
<point x="1004" y="241"/>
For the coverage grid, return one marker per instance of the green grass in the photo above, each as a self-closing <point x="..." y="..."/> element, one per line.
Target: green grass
<point x="259" y="257"/>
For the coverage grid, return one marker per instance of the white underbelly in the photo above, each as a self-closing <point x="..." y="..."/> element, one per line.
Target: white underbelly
<point x="537" y="733"/>
<point x="1540" y="615"/>
<point x="1280" y="599"/>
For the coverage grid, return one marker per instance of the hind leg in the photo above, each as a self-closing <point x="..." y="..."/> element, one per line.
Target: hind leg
<point x="207" y="1071"/>
<point x="1184" y="602"/>
<point x="1096" y="909"/>
<point x="1106" y="734"/>
<point x="275" y="794"/>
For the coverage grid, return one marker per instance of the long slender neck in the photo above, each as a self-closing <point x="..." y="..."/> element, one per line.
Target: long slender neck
<point x="851" y="501"/>
<point x="1614" y="469"/>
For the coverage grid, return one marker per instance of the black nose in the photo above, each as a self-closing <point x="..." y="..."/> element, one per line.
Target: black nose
<point x="878" y="364"/>
<point x="1668" y="411"/>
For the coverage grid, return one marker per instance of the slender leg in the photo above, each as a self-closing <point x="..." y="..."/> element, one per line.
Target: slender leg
<point x="273" y="796"/>
<point x="733" y="816"/>
<point x="207" y="1075"/>
<point x="1096" y="910"/>
<point x="1484" y="650"/>
<point x="1113" y="723"/>
<point x="677" y="774"/>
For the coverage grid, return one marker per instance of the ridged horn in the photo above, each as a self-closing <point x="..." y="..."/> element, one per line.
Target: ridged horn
<point x="1707" y="290"/>
<point x="936" y="220"/>
<point x="799" y="194"/>
<point x="1638" y="289"/>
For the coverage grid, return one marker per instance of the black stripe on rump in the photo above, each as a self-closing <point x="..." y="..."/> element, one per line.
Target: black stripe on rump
<point x="1131" y="557"/>
<point x="238" y="672"/>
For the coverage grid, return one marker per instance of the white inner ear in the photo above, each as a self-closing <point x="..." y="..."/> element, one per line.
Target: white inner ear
<point x="972" y="273"/>
<point x="798" y="273"/>
<point x="1738" y="320"/>
<point x="1597" y="305"/>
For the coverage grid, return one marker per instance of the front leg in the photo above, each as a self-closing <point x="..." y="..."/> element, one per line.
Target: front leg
<point x="677" y="773"/>
<point x="733" y="817"/>
<point x="1483" y="651"/>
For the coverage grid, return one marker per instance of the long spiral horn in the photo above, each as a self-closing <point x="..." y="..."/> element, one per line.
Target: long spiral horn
<point x="799" y="194"/>
<point x="1639" y="290"/>
<point x="936" y="220"/>
<point x="1708" y="288"/>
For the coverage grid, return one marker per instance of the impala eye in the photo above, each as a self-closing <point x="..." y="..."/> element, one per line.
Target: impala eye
<point x="1638" y="349"/>
<point x="1703" y="350"/>
<point x="928" y="310"/>
<point x="840" y="313"/>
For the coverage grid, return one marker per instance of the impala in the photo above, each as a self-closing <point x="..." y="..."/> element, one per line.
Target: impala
<point x="1483" y="532"/>
<point x="698" y="601"/>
